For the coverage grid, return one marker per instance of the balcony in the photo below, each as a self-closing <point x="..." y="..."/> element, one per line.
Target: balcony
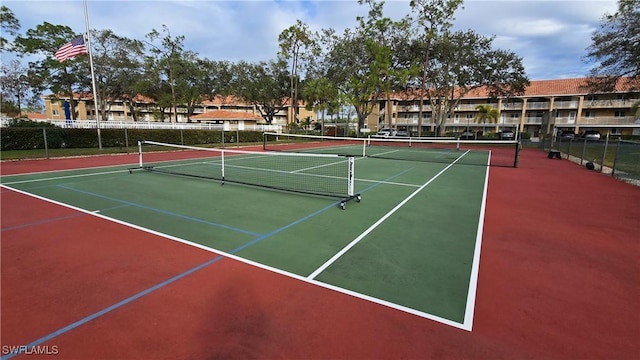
<point x="610" y="120"/>
<point x="544" y="105"/>
<point x="511" y="106"/>
<point x="608" y="103"/>
<point x="532" y="120"/>
<point x="565" y="120"/>
<point x="566" y="104"/>
<point x="413" y="108"/>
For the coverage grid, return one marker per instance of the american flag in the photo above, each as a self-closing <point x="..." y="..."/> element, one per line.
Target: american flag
<point x="73" y="48"/>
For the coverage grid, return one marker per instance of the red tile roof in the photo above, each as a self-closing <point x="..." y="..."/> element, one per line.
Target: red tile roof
<point x="226" y="115"/>
<point x="573" y="86"/>
<point x="36" y="116"/>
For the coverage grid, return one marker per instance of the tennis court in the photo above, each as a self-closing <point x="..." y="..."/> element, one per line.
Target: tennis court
<point x="410" y="240"/>
<point x="274" y="273"/>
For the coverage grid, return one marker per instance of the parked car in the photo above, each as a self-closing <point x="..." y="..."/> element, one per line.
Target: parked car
<point x="467" y="135"/>
<point x="507" y="135"/>
<point x="567" y="135"/>
<point x="402" y="133"/>
<point x="591" y="135"/>
<point x="384" y="133"/>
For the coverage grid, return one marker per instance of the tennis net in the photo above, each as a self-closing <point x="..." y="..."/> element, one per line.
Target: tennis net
<point x="468" y="152"/>
<point x="307" y="173"/>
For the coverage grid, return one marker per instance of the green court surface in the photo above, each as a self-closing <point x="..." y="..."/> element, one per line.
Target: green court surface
<point x="411" y="243"/>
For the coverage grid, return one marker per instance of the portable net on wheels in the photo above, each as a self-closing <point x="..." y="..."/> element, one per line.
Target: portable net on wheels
<point x="464" y="152"/>
<point x="331" y="175"/>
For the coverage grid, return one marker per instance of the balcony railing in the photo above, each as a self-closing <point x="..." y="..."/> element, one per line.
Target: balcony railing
<point x="610" y="120"/>
<point x="565" y="104"/>
<point x="609" y="103"/>
<point x="538" y="105"/>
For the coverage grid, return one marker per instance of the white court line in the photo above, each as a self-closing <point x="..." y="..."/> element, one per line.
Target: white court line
<point x="249" y="262"/>
<point x="475" y="267"/>
<point x="61" y="177"/>
<point x="466" y="325"/>
<point x="380" y="221"/>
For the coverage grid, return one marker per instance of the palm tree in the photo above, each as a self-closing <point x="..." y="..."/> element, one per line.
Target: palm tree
<point x="486" y="114"/>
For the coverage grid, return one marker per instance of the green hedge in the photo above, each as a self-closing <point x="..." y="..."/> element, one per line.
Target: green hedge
<point x="26" y="138"/>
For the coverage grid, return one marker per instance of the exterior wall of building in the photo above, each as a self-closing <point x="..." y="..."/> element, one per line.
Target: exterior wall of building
<point x="540" y="111"/>
<point x="117" y="110"/>
<point x="535" y="114"/>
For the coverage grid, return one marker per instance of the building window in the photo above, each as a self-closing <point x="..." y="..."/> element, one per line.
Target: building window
<point x="589" y="114"/>
<point x="618" y="114"/>
<point x="616" y="131"/>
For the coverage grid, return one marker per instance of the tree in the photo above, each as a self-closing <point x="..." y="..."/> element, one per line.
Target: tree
<point x="118" y="67"/>
<point x="463" y="61"/>
<point x="217" y="78"/>
<point x="14" y="85"/>
<point x="615" y="47"/>
<point x="46" y="72"/>
<point x="348" y="69"/>
<point x="486" y="114"/>
<point x="318" y="95"/>
<point x="385" y="41"/>
<point x="265" y="85"/>
<point x="190" y="75"/>
<point x="8" y="24"/>
<point x="434" y="17"/>
<point x="167" y="51"/>
<point x="297" y="46"/>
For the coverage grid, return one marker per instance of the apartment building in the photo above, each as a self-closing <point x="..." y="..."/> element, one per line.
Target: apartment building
<point x="546" y="105"/>
<point x="57" y="108"/>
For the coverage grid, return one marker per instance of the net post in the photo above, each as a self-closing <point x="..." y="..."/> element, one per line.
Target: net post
<point x="140" y="154"/>
<point x="351" y="176"/>
<point x="517" y="154"/>
<point x="222" y="165"/>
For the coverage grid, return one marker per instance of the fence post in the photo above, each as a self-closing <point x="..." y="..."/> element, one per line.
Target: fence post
<point x="584" y="148"/>
<point x="604" y="153"/>
<point x="46" y="146"/>
<point x="615" y="158"/>
<point x="126" y="139"/>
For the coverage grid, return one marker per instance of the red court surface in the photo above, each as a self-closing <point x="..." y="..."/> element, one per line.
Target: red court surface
<point x="559" y="279"/>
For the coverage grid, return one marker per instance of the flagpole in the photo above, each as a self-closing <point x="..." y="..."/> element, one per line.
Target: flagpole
<point x="93" y="77"/>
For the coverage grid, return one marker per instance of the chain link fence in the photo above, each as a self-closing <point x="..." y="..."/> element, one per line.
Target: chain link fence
<point x="45" y="142"/>
<point x="614" y="156"/>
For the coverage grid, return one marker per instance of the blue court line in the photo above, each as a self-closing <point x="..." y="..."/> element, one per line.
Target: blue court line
<point x="158" y="286"/>
<point x="175" y="278"/>
<point x="161" y="211"/>
<point x="41" y="222"/>
<point x="114" y="306"/>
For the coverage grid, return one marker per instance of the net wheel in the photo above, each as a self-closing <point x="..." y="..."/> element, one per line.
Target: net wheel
<point x="343" y="205"/>
<point x="358" y="198"/>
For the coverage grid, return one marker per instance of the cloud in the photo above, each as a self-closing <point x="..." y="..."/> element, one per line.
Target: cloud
<point x="550" y="36"/>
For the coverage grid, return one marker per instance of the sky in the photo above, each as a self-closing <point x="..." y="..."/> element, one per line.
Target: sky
<point x="551" y="36"/>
